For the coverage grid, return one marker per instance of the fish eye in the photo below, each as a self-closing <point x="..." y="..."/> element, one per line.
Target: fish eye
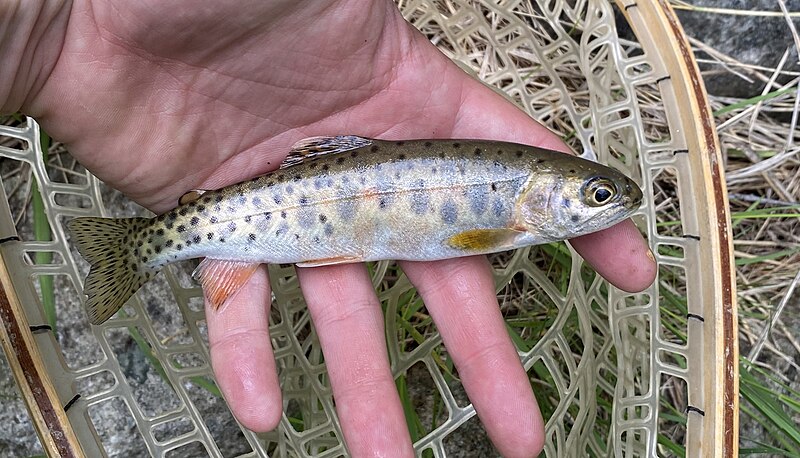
<point x="599" y="191"/>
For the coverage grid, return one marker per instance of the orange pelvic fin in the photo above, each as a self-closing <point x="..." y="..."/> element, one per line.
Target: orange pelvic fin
<point x="221" y="279"/>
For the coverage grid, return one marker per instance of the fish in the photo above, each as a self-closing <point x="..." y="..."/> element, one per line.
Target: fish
<point x="346" y="199"/>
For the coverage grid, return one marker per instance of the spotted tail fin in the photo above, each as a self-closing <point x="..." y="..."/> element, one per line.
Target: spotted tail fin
<point x="116" y="272"/>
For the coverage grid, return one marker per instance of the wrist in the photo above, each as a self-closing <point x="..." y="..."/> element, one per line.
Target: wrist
<point x="30" y="43"/>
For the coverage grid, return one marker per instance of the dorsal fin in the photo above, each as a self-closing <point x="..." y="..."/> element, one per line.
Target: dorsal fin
<point x="317" y="146"/>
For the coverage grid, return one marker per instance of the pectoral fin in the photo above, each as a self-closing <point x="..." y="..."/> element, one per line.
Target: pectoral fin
<point x="484" y="240"/>
<point x="221" y="279"/>
<point x="330" y="261"/>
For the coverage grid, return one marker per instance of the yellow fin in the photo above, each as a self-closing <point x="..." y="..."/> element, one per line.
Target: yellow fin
<point x="330" y="261"/>
<point x="221" y="279"/>
<point x="483" y="239"/>
<point x="191" y="196"/>
<point x="318" y="146"/>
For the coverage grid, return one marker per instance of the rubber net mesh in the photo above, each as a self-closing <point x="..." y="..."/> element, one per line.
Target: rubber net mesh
<point x="609" y="368"/>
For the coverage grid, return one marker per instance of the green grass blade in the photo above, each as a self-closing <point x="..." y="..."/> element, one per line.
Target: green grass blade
<point x="42" y="233"/>
<point x="754" y="100"/>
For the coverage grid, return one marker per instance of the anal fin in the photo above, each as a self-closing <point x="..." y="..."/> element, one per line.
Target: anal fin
<point x="221" y="279"/>
<point x="483" y="240"/>
<point x="330" y="261"/>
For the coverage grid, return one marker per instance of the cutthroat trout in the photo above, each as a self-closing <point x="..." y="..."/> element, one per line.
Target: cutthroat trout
<point x="351" y="199"/>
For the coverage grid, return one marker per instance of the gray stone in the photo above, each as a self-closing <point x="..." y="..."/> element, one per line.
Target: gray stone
<point x="756" y="40"/>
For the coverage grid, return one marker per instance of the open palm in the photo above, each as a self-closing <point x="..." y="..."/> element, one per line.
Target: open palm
<point x="157" y="99"/>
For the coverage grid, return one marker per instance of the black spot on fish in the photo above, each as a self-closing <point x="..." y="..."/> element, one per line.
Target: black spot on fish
<point x="277" y="199"/>
<point x="401" y="156"/>
<point x="297" y="236"/>
<point x="252" y="237"/>
<point x="400" y="143"/>
<point x="159" y="232"/>
<point x="213" y="220"/>
<point x="518" y="153"/>
<point x="312" y="165"/>
<point x="218" y="198"/>
<point x="207" y="199"/>
<point x="575" y="218"/>
<point x="168" y="243"/>
<point x="283" y="214"/>
<point x="354" y="154"/>
<point x="270" y="184"/>
<point x="303" y="200"/>
<point x="139" y="243"/>
<point x="188" y="243"/>
<point x="567" y="203"/>
<point x="339" y="160"/>
<point x="232" y="226"/>
<point x="172" y="215"/>
<point x="280" y="177"/>
<point x="325" y="167"/>
<point x="374" y="148"/>
<point x="297" y="177"/>
<point x="428" y="144"/>
<point x="316" y="240"/>
<point x="572" y="171"/>
<point x="194" y="221"/>
<point x="281" y="230"/>
<point x="157" y="248"/>
<point x="456" y="145"/>
<point x="181" y="228"/>
<point x="196" y="239"/>
<point x="477" y="152"/>
<point x="382" y="202"/>
<point x="247" y="218"/>
<point x="222" y="240"/>
<point x="323" y="218"/>
<point x="209" y="236"/>
<point x="201" y="208"/>
<point x="267" y="216"/>
<point x="494" y="187"/>
<point x="145" y="258"/>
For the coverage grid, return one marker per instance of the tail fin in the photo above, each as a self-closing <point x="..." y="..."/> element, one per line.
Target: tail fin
<point x="116" y="272"/>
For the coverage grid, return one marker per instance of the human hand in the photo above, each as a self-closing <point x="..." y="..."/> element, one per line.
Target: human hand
<point x="207" y="94"/>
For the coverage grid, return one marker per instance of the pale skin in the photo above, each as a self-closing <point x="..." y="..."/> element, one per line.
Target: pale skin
<point x="157" y="100"/>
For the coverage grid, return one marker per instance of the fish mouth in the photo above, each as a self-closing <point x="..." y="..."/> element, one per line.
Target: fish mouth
<point x="631" y="196"/>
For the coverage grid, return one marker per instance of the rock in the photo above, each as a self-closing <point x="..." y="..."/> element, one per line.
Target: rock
<point x="756" y="40"/>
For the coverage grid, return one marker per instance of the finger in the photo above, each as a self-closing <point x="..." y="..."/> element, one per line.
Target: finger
<point x="349" y="323"/>
<point x="241" y="354"/>
<point x="620" y="254"/>
<point x="459" y="294"/>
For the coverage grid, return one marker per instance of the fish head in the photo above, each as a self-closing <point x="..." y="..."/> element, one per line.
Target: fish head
<point x="575" y="197"/>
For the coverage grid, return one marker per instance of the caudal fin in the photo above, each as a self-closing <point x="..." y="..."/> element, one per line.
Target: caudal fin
<point x="116" y="272"/>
